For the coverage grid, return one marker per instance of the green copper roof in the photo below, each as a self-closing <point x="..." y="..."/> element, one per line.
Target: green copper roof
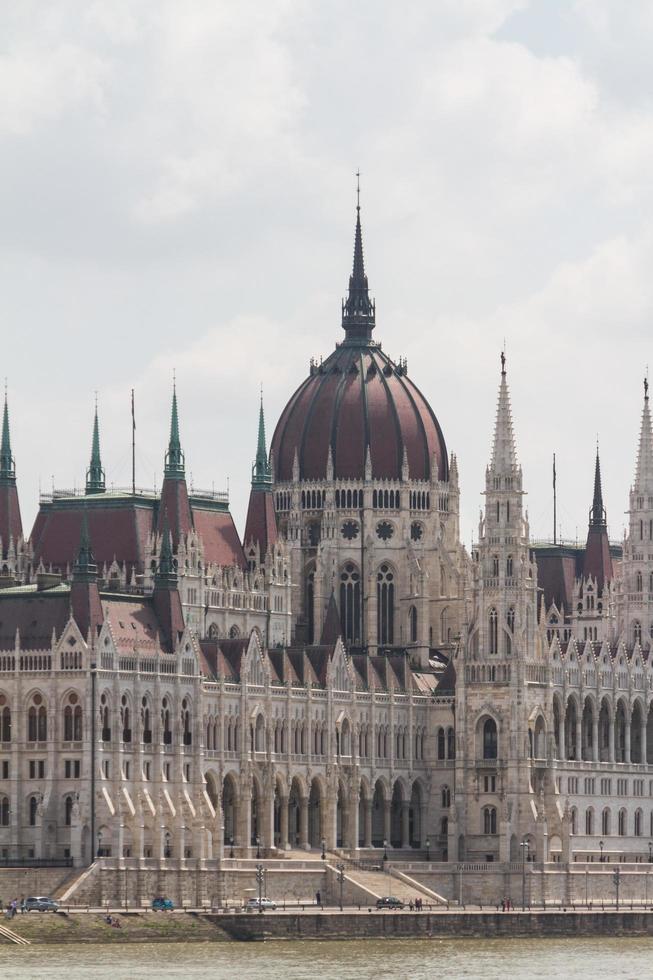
<point x="95" y="481"/>
<point x="261" y="470"/>
<point x="7" y="467"/>
<point x="174" y="457"/>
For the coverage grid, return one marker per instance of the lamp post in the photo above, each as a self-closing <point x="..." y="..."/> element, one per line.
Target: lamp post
<point x="428" y="848"/>
<point x="341" y="880"/>
<point x="524" y="846"/>
<point x="646" y="885"/>
<point x="601" y="845"/>
<point x="385" y="852"/>
<point x="259" y="880"/>
<point x="258" y="848"/>
<point x="323" y="849"/>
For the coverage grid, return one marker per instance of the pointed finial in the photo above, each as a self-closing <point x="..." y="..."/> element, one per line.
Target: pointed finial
<point x="95" y="476"/>
<point x="646" y="384"/>
<point x="358" y="190"/>
<point x="503" y="363"/>
<point x="597" y="510"/>
<point x="261" y="471"/>
<point x="7" y="466"/>
<point x="358" y="311"/>
<point x="174" y="462"/>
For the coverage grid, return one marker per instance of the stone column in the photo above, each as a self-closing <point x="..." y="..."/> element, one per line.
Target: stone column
<point x="283" y="825"/>
<point x="330" y="816"/>
<point x="405" y="824"/>
<point x="562" y="753"/>
<point x="595" y="739"/>
<point x="627" y="746"/>
<point x="579" y="737"/>
<point x="245" y="818"/>
<point x="353" y="824"/>
<point x="642" y="739"/>
<point x="303" y="823"/>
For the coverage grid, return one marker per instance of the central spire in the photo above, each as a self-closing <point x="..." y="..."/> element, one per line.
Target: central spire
<point x="504" y="453"/>
<point x="597" y="511"/>
<point x="174" y="457"/>
<point x="644" y="470"/>
<point x="95" y="479"/>
<point x="358" y="310"/>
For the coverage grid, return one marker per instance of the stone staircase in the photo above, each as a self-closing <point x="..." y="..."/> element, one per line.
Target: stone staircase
<point x="380" y="883"/>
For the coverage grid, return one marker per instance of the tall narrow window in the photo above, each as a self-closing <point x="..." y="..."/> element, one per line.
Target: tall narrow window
<point x="310" y="611"/>
<point x="494" y="635"/>
<point x="412" y="624"/>
<point x="490" y="739"/>
<point x="385" y="596"/>
<point x="350" y="603"/>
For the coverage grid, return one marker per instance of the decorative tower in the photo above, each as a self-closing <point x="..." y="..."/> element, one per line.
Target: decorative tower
<point x="11" y="527"/>
<point x="174" y="492"/>
<point x="358" y="310"/>
<point x="261" y="525"/>
<point x="166" y="599"/>
<point x="496" y="697"/>
<point x="84" y="595"/>
<point x="592" y="611"/>
<point x="95" y="478"/>
<point x="635" y="612"/>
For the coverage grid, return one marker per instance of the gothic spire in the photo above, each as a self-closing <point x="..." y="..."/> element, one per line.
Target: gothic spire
<point x="504" y="453"/>
<point x="358" y="310"/>
<point x="165" y="574"/>
<point x="174" y="465"/>
<point x="644" y="470"/>
<point x="85" y="568"/>
<point x="95" y="479"/>
<point x="261" y="471"/>
<point x="7" y="466"/>
<point x="597" y="511"/>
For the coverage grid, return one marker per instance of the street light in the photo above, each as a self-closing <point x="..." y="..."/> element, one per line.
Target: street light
<point x="428" y="848"/>
<point x="341" y="880"/>
<point x="385" y="851"/>
<point x="323" y="849"/>
<point x="616" y="877"/>
<point x="524" y="846"/>
<point x="259" y="879"/>
<point x="258" y="848"/>
<point x="601" y="845"/>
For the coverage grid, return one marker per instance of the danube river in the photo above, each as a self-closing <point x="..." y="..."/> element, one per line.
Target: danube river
<point x="397" y="959"/>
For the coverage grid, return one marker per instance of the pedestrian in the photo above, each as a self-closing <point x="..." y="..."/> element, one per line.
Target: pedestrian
<point x="511" y="907"/>
<point x="22" y="904"/>
<point x="410" y="905"/>
<point x="318" y="898"/>
<point x="503" y="905"/>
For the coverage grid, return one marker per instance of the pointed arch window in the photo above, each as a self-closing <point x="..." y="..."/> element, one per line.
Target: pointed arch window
<point x="637" y="631"/>
<point x="412" y="624"/>
<point x="509" y="566"/>
<point x="350" y="603"/>
<point x="4" y="811"/>
<point x="489" y="820"/>
<point x="638" y="582"/>
<point x="495" y="566"/>
<point x="5" y="724"/>
<point x="490" y="739"/>
<point x="385" y="598"/>
<point x="494" y="634"/>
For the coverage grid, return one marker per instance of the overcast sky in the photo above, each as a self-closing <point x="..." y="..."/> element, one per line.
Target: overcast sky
<point x="177" y="191"/>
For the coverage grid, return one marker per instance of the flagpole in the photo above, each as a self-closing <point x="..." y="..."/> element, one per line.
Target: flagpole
<point x="133" y="447"/>
<point x="555" y="523"/>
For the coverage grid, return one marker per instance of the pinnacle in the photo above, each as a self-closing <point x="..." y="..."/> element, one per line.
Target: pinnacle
<point x="644" y="469"/>
<point x="597" y="513"/>
<point x="95" y="479"/>
<point x="174" y="464"/>
<point x="7" y="468"/>
<point x="358" y="311"/>
<point x="504" y="453"/>
<point x="261" y="471"/>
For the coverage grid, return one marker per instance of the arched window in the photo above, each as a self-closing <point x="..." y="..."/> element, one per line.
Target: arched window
<point x="37" y="720"/>
<point x="446" y="797"/>
<point x="622" y="820"/>
<point x="68" y="811"/>
<point x="146" y="721"/>
<point x="385" y="598"/>
<point x="125" y="717"/>
<point x="441" y="744"/>
<point x="412" y="624"/>
<point x="574" y="820"/>
<point x="510" y="619"/>
<point x="589" y="821"/>
<point x="489" y="820"/>
<point x="495" y="566"/>
<point x="509" y="566"/>
<point x="605" y="822"/>
<point x="638" y="823"/>
<point x="165" y="722"/>
<point x="451" y="744"/>
<point x="350" y="603"/>
<point x="494" y="636"/>
<point x="33" y="810"/>
<point x="105" y="718"/>
<point x="638" y="582"/>
<point x="5" y="723"/>
<point x="444" y="625"/>
<point x="4" y="811"/>
<point x="187" y="736"/>
<point x="637" y="631"/>
<point x="490" y="739"/>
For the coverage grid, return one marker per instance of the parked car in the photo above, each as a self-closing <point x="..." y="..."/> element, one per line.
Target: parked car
<point x="388" y="902"/>
<point x="41" y="904"/>
<point x="252" y="904"/>
<point x="161" y="904"/>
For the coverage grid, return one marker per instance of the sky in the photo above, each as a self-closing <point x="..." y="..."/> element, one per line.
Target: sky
<point x="177" y="193"/>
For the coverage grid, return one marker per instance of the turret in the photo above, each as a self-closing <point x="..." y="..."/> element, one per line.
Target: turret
<point x="84" y="594"/>
<point x="95" y="478"/>
<point x="261" y="524"/>
<point x="11" y="526"/>
<point x="358" y="310"/>
<point x="174" y="492"/>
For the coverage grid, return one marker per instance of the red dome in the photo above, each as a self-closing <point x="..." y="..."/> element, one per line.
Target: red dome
<point x="358" y="397"/>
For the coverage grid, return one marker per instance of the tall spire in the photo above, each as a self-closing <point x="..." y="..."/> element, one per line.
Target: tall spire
<point x="261" y="470"/>
<point x="95" y="479"/>
<point x="174" y="465"/>
<point x="597" y="510"/>
<point x="7" y="466"/>
<point x="165" y="574"/>
<point x="358" y="310"/>
<point x="504" y="453"/>
<point x="85" y="568"/>
<point x="644" y="470"/>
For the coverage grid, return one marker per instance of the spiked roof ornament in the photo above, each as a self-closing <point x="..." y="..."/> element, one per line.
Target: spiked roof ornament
<point x="7" y="465"/>
<point x="174" y="464"/>
<point x="166" y="574"/>
<point x="504" y="453"/>
<point x="644" y="470"/>
<point x="95" y="477"/>
<point x="84" y="568"/>
<point x="261" y="470"/>
<point x="358" y="310"/>
<point x="597" y="510"/>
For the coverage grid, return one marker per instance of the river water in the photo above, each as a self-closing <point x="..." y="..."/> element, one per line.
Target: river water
<point x="495" y="959"/>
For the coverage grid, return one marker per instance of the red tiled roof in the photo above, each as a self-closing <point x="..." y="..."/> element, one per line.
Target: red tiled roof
<point x="132" y="621"/>
<point x="218" y="532"/>
<point x="174" y="507"/>
<point x="357" y="398"/>
<point x="10" y="521"/>
<point x="35" y="615"/>
<point x="261" y="524"/>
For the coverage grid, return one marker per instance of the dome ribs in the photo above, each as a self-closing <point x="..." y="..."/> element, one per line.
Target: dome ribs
<point x="395" y="414"/>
